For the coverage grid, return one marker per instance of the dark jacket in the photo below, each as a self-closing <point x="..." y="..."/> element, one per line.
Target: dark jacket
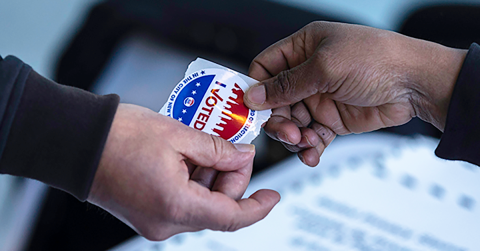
<point x="50" y="132"/>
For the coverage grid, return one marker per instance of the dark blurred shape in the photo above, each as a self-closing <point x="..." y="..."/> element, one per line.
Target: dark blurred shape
<point x="451" y="25"/>
<point x="67" y="224"/>
<point x="238" y="30"/>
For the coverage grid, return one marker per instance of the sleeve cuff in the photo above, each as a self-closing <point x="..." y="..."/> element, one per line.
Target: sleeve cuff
<point x="58" y="135"/>
<point x="13" y="74"/>
<point x="461" y="137"/>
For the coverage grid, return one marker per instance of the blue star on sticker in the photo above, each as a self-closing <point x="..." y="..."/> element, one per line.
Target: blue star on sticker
<point x="202" y="72"/>
<point x="184" y="111"/>
<point x="198" y="84"/>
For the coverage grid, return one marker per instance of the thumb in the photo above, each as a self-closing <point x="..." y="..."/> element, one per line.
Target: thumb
<point x="212" y="151"/>
<point x="288" y="87"/>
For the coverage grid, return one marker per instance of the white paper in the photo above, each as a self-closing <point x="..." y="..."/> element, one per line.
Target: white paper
<point x="370" y="192"/>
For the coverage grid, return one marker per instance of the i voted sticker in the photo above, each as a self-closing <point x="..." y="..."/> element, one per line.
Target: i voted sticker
<point x="211" y="100"/>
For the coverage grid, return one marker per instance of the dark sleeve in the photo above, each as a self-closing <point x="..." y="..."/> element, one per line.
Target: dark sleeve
<point x="50" y="132"/>
<point x="461" y="137"/>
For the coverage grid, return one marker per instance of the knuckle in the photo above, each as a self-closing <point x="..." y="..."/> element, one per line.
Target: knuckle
<point x="301" y="113"/>
<point x="284" y="83"/>
<point x="230" y="227"/>
<point x="325" y="134"/>
<point x="320" y="28"/>
<point x="329" y="68"/>
<point x="315" y="25"/>
<point x="323" y="60"/>
<point x="218" y="148"/>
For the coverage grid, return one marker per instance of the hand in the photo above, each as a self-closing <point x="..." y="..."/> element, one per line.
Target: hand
<point x="333" y="78"/>
<point x="161" y="177"/>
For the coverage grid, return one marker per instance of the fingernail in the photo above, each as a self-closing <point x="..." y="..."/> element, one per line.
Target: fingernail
<point x="300" y="156"/>
<point x="308" y="141"/>
<point x="245" y="147"/>
<point x="256" y="94"/>
<point x="283" y="137"/>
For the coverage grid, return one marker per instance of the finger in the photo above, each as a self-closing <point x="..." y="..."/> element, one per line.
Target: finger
<point x="281" y="128"/>
<point x="278" y="59"/>
<point x="293" y="149"/>
<point x="284" y="111"/>
<point x="327" y="112"/>
<point x="309" y="157"/>
<point x="286" y="53"/>
<point x="288" y="87"/>
<point x="204" y="176"/>
<point x="309" y="138"/>
<point x="296" y="73"/>
<point x="270" y="62"/>
<point x="233" y="184"/>
<point x="325" y="133"/>
<point x="191" y="167"/>
<point x="211" y="151"/>
<point x="219" y="212"/>
<point x="301" y="115"/>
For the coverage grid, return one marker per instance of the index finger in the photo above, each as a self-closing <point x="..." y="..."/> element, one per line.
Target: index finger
<point x="276" y="58"/>
<point x="288" y="52"/>
<point x="206" y="150"/>
<point x="269" y="62"/>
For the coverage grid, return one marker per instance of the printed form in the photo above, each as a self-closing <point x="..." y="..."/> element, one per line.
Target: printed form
<point x="372" y="192"/>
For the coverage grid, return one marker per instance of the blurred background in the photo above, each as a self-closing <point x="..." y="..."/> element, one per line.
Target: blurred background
<point x="140" y="49"/>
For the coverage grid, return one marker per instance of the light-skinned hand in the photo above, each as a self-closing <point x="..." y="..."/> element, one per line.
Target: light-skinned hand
<point x="161" y="177"/>
<point x="332" y="79"/>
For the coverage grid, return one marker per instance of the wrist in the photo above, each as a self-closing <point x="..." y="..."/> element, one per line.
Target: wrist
<point x="99" y="190"/>
<point x="432" y="81"/>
